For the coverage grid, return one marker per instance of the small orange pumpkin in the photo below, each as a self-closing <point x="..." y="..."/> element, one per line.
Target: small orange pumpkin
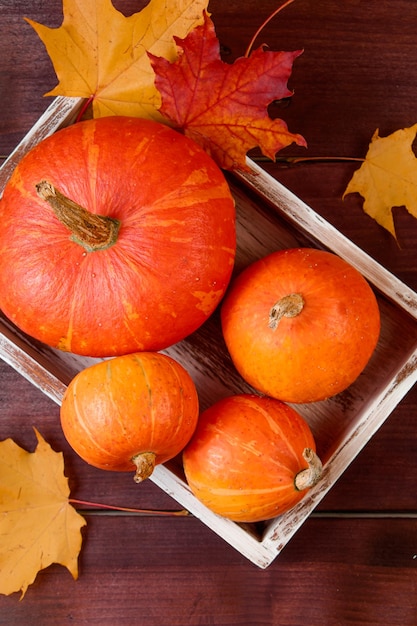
<point x="300" y="324"/>
<point x="130" y="413"/>
<point x="251" y="458"/>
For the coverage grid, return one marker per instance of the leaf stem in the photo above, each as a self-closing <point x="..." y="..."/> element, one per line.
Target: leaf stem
<point x="262" y="26"/>
<point x="83" y="109"/>
<point x="318" y="159"/>
<point x="181" y="513"/>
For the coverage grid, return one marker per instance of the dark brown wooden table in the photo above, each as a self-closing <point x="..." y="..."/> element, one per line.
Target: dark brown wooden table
<point x="355" y="560"/>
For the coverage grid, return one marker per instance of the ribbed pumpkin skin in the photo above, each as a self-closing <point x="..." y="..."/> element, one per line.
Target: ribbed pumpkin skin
<point x="173" y="257"/>
<point x="319" y="352"/>
<point x="244" y="455"/>
<point x="116" y="409"/>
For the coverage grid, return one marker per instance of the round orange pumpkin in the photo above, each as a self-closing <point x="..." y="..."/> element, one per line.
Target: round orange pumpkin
<point x="300" y="324"/>
<point x="130" y="413"/>
<point x="251" y="458"/>
<point x="117" y="235"/>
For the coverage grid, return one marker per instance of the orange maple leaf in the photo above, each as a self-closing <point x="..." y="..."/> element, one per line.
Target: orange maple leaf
<point x="223" y="106"/>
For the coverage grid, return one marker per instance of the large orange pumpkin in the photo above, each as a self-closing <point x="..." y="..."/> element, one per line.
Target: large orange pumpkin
<point x="251" y="458"/>
<point x="130" y="413"/>
<point x="142" y="263"/>
<point x="300" y="324"/>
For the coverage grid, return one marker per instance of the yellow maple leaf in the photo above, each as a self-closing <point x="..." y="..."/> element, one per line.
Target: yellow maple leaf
<point x="388" y="177"/>
<point x="38" y="526"/>
<point x="99" y="53"/>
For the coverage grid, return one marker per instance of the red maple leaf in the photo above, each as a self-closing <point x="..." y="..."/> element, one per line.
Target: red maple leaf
<point x="223" y="106"/>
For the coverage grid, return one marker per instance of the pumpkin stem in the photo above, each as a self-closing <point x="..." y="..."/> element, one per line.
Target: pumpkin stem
<point x="145" y="464"/>
<point x="93" y="232"/>
<point x="307" y="478"/>
<point x="288" y="306"/>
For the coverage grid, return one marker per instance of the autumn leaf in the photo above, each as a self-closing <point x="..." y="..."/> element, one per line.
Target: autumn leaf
<point x="99" y="53"/>
<point x="388" y="177"/>
<point x="223" y="106"/>
<point x="38" y="526"/>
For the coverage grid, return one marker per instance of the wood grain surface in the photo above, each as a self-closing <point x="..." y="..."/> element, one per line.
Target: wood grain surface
<point x="355" y="560"/>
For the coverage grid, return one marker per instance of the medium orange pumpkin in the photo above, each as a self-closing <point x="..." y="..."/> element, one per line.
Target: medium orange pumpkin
<point x="130" y="413"/>
<point x="128" y="245"/>
<point x="300" y="324"/>
<point x="251" y="458"/>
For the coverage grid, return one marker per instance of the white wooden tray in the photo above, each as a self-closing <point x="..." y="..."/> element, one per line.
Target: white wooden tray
<point x="269" y="217"/>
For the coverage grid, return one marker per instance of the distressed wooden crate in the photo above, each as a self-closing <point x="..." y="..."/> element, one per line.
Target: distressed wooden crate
<point x="269" y="217"/>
